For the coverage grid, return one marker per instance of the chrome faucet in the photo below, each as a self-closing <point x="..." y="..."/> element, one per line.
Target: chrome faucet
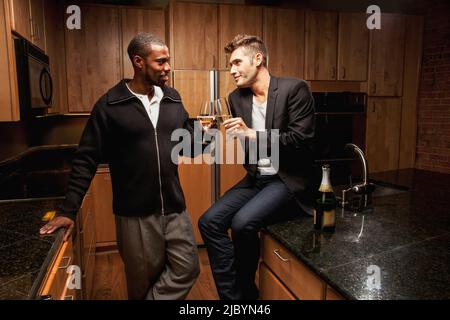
<point x="363" y="188"/>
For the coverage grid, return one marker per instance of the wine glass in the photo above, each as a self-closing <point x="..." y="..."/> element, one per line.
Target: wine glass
<point x="207" y="114"/>
<point x="222" y="110"/>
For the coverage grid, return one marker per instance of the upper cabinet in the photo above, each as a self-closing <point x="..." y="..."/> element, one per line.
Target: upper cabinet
<point x="234" y="20"/>
<point x="93" y="57"/>
<point x="54" y="35"/>
<point x="28" y="20"/>
<point x="337" y="46"/>
<point x="194" y="28"/>
<point x="387" y="57"/>
<point x="321" y="45"/>
<point x="9" y="101"/>
<point x="21" y="16"/>
<point x="285" y="41"/>
<point x="135" y="21"/>
<point x="353" y="47"/>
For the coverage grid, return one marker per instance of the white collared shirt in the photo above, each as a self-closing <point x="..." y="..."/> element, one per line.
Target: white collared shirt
<point x="151" y="106"/>
<point x="259" y="124"/>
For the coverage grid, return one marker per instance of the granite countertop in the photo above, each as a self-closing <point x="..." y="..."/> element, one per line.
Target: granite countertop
<point x="407" y="236"/>
<point x="25" y="256"/>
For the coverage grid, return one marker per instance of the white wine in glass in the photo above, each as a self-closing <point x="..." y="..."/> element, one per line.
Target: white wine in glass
<point x="222" y="110"/>
<point x="206" y="115"/>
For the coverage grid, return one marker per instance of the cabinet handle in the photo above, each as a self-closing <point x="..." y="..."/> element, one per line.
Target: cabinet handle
<point x="226" y="60"/>
<point x="69" y="259"/>
<point x="214" y="61"/>
<point x="373" y="107"/>
<point x="343" y="72"/>
<point x="333" y="73"/>
<point x="276" y="251"/>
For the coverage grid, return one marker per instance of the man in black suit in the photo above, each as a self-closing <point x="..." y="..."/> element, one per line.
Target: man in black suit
<point x="269" y="193"/>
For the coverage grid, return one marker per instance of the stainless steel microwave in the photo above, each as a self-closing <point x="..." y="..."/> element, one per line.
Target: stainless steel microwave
<point x="34" y="79"/>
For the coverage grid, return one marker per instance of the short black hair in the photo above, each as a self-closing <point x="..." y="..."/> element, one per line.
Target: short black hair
<point x="142" y="43"/>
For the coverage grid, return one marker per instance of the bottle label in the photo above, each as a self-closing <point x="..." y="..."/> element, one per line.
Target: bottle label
<point x="329" y="218"/>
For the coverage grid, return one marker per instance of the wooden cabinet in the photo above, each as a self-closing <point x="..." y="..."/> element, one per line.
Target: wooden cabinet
<point x="333" y="295"/>
<point x="321" y="45"/>
<point x="386" y="57"/>
<point x="383" y="133"/>
<point x="294" y="274"/>
<point x="234" y="20"/>
<point x="21" y="17"/>
<point x="194" y="29"/>
<point x="135" y="21"/>
<point x="54" y="35"/>
<point x="88" y="242"/>
<point x="284" y="37"/>
<point x="353" y="47"/>
<point x="93" y="57"/>
<point x="196" y="179"/>
<point x="105" y="225"/>
<point x="270" y="287"/>
<point x="9" y="96"/>
<point x="37" y="23"/>
<point x="55" y="284"/>
<point x="28" y="20"/>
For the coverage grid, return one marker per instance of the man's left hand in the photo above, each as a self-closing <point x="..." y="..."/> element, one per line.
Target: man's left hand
<point x="237" y="126"/>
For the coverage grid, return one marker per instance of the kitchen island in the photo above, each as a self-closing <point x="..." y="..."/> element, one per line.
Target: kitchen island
<point x="400" y="250"/>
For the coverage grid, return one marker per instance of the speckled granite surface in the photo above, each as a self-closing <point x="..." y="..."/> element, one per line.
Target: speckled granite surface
<point x="24" y="254"/>
<point x="407" y="236"/>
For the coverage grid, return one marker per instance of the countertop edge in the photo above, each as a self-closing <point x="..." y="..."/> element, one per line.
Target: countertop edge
<point x="33" y="295"/>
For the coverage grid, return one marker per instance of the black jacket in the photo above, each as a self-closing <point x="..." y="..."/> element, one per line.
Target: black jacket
<point x="119" y="132"/>
<point x="290" y="108"/>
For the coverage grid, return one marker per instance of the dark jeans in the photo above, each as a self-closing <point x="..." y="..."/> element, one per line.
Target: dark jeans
<point x="245" y="210"/>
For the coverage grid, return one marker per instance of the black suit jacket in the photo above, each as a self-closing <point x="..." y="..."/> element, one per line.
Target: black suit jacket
<point x="290" y="108"/>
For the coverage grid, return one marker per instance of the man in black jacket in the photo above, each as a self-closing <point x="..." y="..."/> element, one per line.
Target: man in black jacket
<point x="130" y="128"/>
<point x="272" y="190"/>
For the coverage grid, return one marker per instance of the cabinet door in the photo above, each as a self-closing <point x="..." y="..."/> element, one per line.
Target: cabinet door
<point x="270" y="287"/>
<point x="37" y="23"/>
<point x="92" y="57"/>
<point x="285" y="40"/>
<point x="383" y="133"/>
<point x="54" y="36"/>
<point x="353" y="47"/>
<point x="105" y="225"/>
<point x="387" y="53"/>
<point x="196" y="179"/>
<point x="321" y="45"/>
<point x="234" y="20"/>
<point x="194" y="34"/>
<point x="9" y="100"/>
<point x="21" y="16"/>
<point x="135" y="21"/>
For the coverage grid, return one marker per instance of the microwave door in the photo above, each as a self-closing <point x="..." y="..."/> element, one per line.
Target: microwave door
<point x="40" y="84"/>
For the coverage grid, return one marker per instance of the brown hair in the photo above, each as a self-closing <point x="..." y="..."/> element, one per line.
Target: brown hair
<point x="252" y="44"/>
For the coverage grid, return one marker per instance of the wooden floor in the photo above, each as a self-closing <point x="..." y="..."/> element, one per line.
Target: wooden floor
<point x="110" y="284"/>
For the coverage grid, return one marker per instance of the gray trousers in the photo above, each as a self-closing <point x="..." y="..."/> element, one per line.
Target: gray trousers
<point x="160" y="255"/>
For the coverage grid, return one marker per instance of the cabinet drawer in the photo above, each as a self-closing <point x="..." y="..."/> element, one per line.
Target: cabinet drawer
<point x="55" y="284"/>
<point x="294" y="274"/>
<point x="270" y="287"/>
